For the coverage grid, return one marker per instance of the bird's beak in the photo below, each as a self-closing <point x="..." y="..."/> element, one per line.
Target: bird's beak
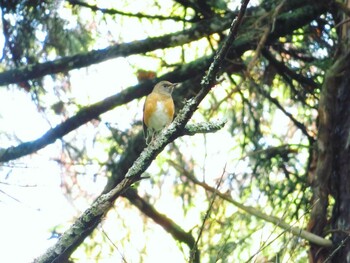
<point x="174" y="86"/>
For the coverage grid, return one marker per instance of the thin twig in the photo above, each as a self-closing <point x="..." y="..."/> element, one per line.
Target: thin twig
<point x="269" y="28"/>
<point x="114" y="245"/>
<point x="340" y="245"/>
<point x="315" y="239"/>
<point x="110" y="11"/>
<point x="207" y="214"/>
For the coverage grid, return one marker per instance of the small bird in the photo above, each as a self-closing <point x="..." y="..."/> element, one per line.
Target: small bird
<point x="158" y="110"/>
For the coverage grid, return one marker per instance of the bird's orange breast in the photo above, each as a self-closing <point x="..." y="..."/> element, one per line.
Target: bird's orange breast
<point x="158" y="111"/>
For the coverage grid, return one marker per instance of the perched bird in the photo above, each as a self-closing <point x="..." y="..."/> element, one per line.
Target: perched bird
<point x="158" y="111"/>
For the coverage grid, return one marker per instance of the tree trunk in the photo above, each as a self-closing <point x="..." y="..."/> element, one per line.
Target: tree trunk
<point x="332" y="174"/>
<point x="340" y="175"/>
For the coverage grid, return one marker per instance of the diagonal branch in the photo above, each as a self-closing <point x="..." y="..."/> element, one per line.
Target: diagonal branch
<point x="284" y="70"/>
<point x="93" y="215"/>
<point x="175" y="128"/>
<point x="315" y="239"/>
<point x="170" y="226"/>
<point x="207" y="215"/>
<point x="297" y="123"/>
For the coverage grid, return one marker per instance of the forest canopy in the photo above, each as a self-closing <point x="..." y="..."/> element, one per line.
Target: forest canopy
<point x="252" y="169"/>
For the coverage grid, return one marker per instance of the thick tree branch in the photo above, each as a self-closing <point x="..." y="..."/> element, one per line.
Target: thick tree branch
<point x="202" y="127"/>
<point x="285" y="24"/>
<point x="92" y="216"/>
<point x="91" y="112"/>
<point x="169" y="225"/>
<point x="198" y="31"/>
<point x="83" y="116"/>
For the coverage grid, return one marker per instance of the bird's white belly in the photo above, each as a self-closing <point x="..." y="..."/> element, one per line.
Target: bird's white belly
<point x="159" y="118"/>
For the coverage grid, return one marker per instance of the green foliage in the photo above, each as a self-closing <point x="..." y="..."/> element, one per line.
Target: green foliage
<point x="36" y="31"/>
